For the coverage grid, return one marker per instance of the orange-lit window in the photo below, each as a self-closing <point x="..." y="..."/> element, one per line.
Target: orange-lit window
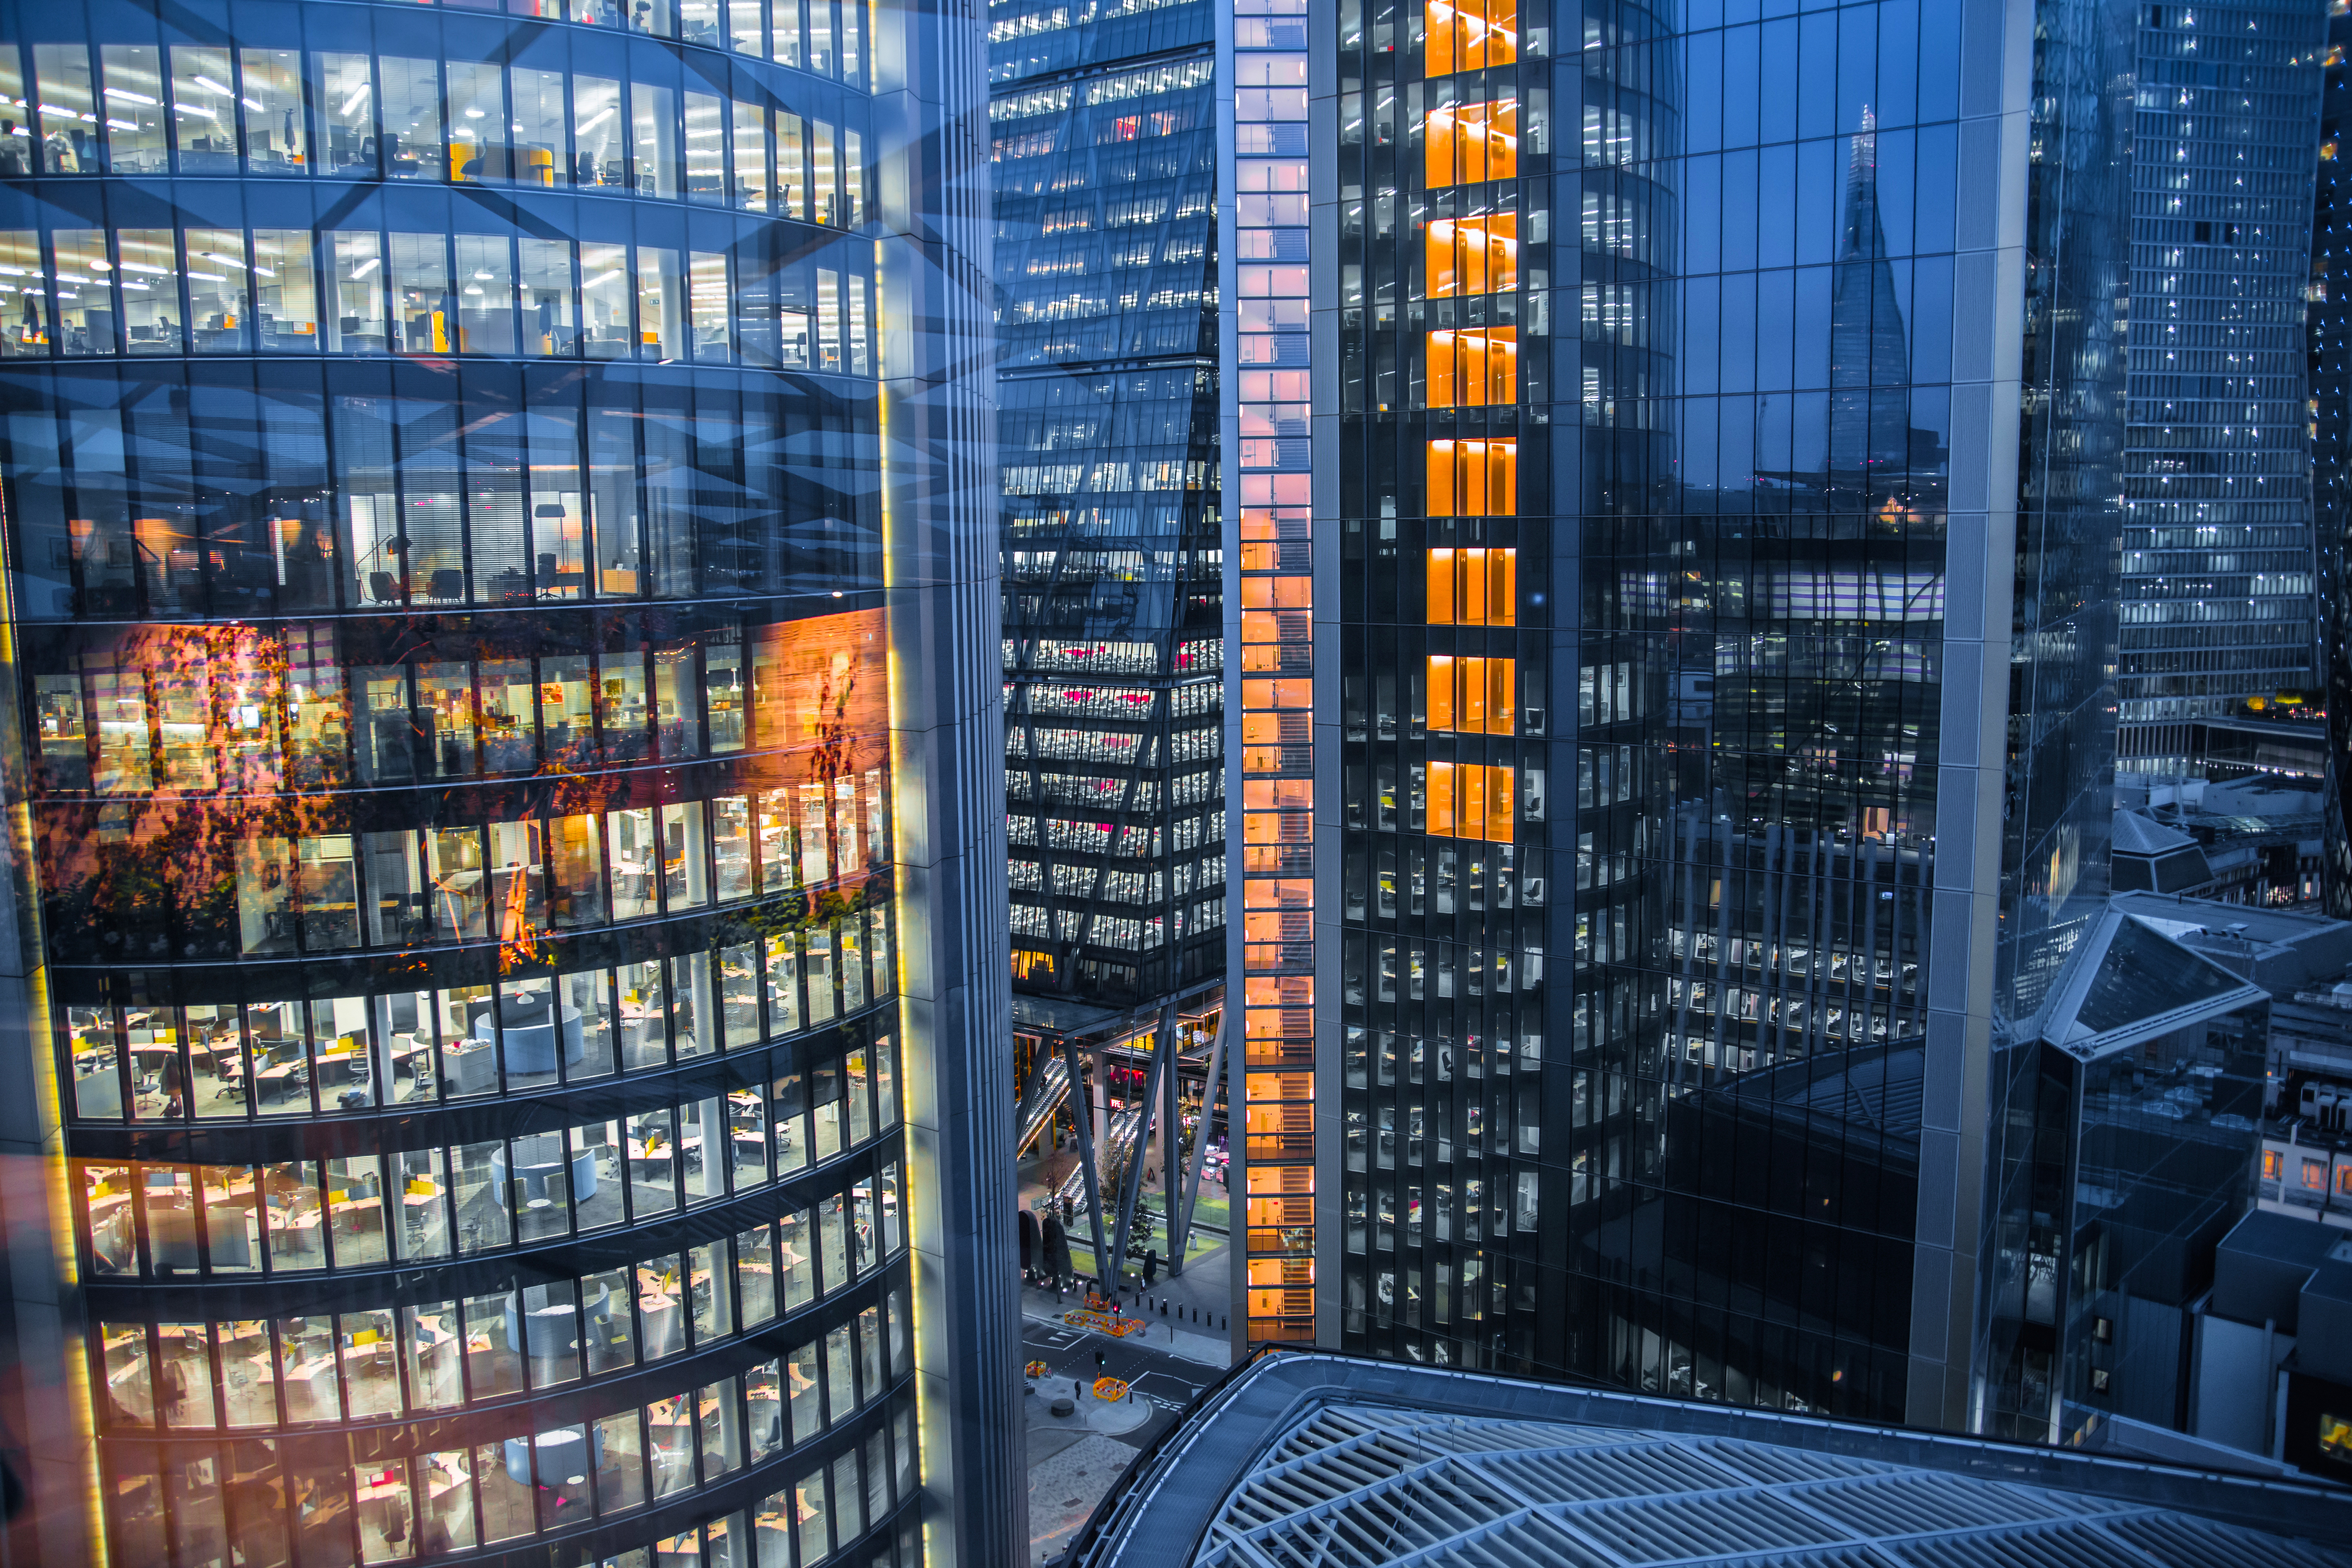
<point x="1472" y="255"/>
<point x="1468" y="801"/>
<point x="1472" y="587"/>
<point x="2273" y="1162"/>
<point x="1473" y="478"/>
<point x="1469" y="35"/>
<point x="1465" y="142"/>
<point x="1472" y="696"/>
<point x="1473" y="367"/>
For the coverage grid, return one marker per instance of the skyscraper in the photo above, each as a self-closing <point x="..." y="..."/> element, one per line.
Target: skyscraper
<point x="2328" y="367"/>
<point x="1104" y="153"/>
<point x="1720" y="717"/>
<point x="2219" y="604"/>
<point x="501" y="636"/>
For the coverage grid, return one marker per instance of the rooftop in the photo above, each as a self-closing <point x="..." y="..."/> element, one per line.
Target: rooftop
<point x="2286" y="950"/>
<point x="1311" y="1458"/>
<point x="2127" y="982"/>
<point x="2135" y="835"/>
<point x="2282" y="1239"/>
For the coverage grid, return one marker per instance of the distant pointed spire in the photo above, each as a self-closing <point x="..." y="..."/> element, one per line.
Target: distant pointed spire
<point x="1870" y="361"/>
<point x="1865" y="145"/>
<point x="1864" y="239"/>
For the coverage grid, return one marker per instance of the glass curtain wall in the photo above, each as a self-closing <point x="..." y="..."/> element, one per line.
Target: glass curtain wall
<point x="1466" y="957"/>
<point x="2329" y="368"/>
<point x="2219" y="603"/>
<point x="1107" y="218"/>
<point x="445" y="553"/>
<point x="2061" y="743"/>
<point x="1691" y="522"/>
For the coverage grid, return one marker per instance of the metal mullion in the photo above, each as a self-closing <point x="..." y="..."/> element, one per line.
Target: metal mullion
<point x="1083" y="1115"/>
<point x="1181" y="1229"/>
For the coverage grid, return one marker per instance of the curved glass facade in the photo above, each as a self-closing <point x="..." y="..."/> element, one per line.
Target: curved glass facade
<point x="444" y="479"/>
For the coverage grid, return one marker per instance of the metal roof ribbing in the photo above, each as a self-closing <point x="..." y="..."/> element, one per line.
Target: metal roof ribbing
<point x="1367" y="1487"/>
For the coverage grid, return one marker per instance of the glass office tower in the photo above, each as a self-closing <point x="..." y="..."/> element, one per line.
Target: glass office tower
<point x="1701" y="622"/>
<point x="2219" y="600"/>
<point x="1105" y="139"/>
<point x="449" y="475"/>
<point x="2329" y="365"/>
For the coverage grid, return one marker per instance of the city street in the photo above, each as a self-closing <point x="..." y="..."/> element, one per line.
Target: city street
<point x="1072" y="1459"/>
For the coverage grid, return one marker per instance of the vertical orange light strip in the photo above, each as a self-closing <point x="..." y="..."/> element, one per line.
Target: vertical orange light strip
<point x="1278" y="782"/>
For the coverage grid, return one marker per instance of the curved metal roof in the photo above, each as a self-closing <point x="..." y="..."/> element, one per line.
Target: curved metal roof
<point x="1360" y="1485"/>
<point x="1312" y="1460"/>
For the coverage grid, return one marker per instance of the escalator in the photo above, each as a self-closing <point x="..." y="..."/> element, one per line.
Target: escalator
<point x="1053" y="1087"/>
<point x="1110" y="1159"/>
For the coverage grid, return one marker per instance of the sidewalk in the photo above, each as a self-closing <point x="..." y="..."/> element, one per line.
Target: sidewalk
<point x="1204" y="1342"/>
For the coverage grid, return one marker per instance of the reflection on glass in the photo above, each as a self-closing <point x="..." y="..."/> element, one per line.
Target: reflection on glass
<point x="204" y="110"/>
<point x="286" y="297"/>
<point x="653" y="140"/>
<point x="606" y="301"/>
<point x="621" y="1479"/>
<point x="597" y="132"/>
<point x="275" y="143"/>
<point x="357" y="260"/>
<point x="485" y="295"/>
<point x="421" y="297"/>
<point x="137" y="140"/>
<point x="661" y="305"/>
<point x="610" y="1319"/>
<point x="412" y="142"/>
<point x="346" y="108"/>
<point x="307" y="1369"/>
<point x="539" y="155"/>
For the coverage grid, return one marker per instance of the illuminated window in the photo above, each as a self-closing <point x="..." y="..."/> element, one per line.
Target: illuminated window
<point x="2274" y="1163"/>
<point x="1471" y="695"/>
<point x="1473" y="478"/>
<point x="1472" y="255"/>
<point x="1471" y="35"/>
<point x="1472" y="587"/>
<point x="2315" y="1176"/>
<point x="1473" y="367"/>
<point x="1466" y="143"/>
<point x="1468" y="801"/>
